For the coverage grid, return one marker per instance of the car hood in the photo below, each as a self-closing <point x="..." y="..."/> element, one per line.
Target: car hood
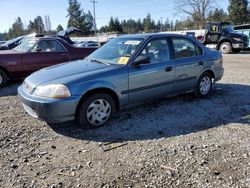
<point x="235" y="34"/>
<point x="73" y="69"/>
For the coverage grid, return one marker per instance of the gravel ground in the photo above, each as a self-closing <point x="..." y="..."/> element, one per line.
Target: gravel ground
<point x="175" y="142"/>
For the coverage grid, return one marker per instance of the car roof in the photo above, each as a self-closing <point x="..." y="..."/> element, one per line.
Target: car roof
<point x="151" y="35"/>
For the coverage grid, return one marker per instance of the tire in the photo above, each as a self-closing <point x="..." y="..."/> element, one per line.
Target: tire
<point x="225" y="48"/>
<point x="204" y="85"/>
<point x="236" y="50"/>
<point x="95" y="111"/>
<point x="3" y="79"/>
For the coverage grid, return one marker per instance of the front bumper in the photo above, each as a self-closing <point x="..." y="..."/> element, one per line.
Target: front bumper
<point x="219" y="72"/>
<point x="240" y="45"/>
<point x="49" y="110"/>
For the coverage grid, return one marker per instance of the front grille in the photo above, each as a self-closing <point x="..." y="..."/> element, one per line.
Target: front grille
<point x="27" y="87"/>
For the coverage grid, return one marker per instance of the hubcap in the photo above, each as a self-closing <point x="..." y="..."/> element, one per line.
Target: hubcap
<point x="225" y="48"/>
<point x="98" y="112"/>
<point x="205" y="85"/>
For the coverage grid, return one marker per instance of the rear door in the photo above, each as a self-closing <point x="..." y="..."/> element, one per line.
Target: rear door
<point x="188" y="61"/>
<point x="45" y="53"/>
<point x="153" y="80"/>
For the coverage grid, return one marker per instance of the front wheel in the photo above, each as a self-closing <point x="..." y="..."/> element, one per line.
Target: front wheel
<point x="95" y="111"/>
<point x="225" y="48"/>
<point x="204" y="85"/>
<point x="3" y="79"/>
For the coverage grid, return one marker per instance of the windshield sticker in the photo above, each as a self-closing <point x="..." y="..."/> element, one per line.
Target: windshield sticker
<point x="132" y="42"/>
<point x="123" y="60"/>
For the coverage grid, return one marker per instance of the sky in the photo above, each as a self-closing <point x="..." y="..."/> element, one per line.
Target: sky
<point x="57" y="10"/>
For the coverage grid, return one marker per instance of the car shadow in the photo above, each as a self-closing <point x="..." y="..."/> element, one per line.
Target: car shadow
<point x="171" y="117"/>
<point x="10" y="89"/>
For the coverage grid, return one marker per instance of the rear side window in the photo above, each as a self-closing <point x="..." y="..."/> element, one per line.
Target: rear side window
<point x="48" y="46"/>
<point x="184" y="48"/>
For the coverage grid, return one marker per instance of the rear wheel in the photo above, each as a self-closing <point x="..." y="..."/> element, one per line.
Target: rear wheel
<point x="204" y="85"/>
<point x="95" y="111"/>
<point x="3" y="78"/>
<point x="225" y="48"/>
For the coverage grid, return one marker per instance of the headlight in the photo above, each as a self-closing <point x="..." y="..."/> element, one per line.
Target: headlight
<point x="56" y="91"/>
<point x="237" y="39"/>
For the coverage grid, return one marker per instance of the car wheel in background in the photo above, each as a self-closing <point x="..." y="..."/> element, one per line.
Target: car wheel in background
<point x="3" y="78"/>
<point x="95" y="111"/>
<point x="204" y="85"/>
<point x="225" y="48"/>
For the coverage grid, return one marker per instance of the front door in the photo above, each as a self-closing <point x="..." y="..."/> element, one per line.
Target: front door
<point x="213" y="34"/>
<point x="153" y="80"/>
<point x="44" y="54"/>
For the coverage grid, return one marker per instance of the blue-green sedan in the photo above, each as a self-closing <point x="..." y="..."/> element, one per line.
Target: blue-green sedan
<point x="127" y="71"/>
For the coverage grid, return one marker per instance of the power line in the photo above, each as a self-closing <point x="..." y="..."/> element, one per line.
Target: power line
<point x="94" y="2"/>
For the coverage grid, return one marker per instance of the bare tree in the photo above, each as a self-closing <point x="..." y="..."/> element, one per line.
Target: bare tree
<point x="197" y="9"/>
<point x="47" y="23"/>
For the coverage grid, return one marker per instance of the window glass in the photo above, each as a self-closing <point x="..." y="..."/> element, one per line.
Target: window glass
<point x="25" y="45"/>
<point x="117" y="51"/>
<point x="48" y="46"/>
<point x="198" y="50"/>
<point x="214" y="29"/>
<point x="157" y="51"/>
<point x="184" y="48"/>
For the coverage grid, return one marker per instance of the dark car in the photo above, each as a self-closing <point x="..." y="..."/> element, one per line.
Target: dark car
<point x="10" y="44"/>
<point x="127" y="71"/>
<point x="35" y="53"/>
<point x="87" y="44"/>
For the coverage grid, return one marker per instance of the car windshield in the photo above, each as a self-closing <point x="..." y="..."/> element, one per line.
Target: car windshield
<point x="226" y="27"/>
<point x="25" y="45"/>
<point x="117" y="51"/>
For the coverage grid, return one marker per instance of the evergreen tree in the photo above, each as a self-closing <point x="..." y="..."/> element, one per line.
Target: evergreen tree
<point x="59" y="28"/>
<point x="238" y="11"/>
<point x="147" y="24"/>
<point x="79" y="19"/>
<point x="111" y="26"/>
<point x="17" y="29"/>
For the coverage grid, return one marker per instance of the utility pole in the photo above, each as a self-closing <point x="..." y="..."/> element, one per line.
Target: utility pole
<point x="94" y="2"/>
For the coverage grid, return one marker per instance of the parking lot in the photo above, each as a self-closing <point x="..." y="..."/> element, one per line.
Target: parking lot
<point x="174" y="142"/>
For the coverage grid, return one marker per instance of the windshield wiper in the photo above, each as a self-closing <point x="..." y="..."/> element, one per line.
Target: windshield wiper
<point x="98" y="61"/>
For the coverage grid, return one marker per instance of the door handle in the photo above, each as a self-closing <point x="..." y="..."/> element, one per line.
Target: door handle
<point x="201" y="63"/>
<point x="64" y="54"/>
<point x="168" y="69"/>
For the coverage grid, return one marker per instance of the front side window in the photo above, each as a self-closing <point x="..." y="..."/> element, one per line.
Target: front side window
<point x="157" y="50"/>
<point x="184" y="48"/>
<point x="116" y="51"/>
<point x="214" y="28"/>
<point x="48" y="46"/>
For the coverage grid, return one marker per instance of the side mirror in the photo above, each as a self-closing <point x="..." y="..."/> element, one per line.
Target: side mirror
<point x="139" y="60"/>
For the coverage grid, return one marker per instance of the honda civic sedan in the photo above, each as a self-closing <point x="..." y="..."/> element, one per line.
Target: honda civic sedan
<point x="127" y="71"/>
